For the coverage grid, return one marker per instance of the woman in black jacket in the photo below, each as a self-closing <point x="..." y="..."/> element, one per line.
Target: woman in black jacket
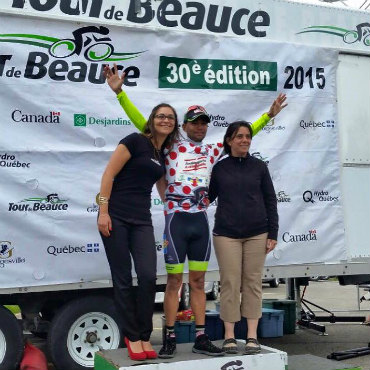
<point x="246" y="228"/>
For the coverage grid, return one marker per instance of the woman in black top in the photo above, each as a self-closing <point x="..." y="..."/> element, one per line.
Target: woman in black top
<point x="126" y="227"/>
<point x="246" y="228"/>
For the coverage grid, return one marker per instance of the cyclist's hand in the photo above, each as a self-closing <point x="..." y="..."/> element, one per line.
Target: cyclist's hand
<point x="277" y="105"/>
<point x="105" y="224"/>
<point x="114" y="80"/>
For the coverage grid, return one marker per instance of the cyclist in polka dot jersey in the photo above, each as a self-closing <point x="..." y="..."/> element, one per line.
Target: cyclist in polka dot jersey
<point x="185" y="191"/>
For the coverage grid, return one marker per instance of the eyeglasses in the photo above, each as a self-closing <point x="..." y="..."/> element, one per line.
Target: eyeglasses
<point x="162" y="117"/>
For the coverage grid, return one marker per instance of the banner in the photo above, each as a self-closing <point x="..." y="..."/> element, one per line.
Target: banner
<point x="60" y="123"/>
<point x="273" y="20"/>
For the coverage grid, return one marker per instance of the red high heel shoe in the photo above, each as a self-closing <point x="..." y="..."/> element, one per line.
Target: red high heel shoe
<point x="135" y="356"/>
<point x="151" y="355"/>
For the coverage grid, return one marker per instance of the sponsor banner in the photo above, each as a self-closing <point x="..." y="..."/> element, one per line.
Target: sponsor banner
<point x="273" y="20"/>
<point x="60" y="124"/>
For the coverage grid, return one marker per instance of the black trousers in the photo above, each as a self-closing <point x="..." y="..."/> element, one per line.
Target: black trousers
<point x="135" y="305"/>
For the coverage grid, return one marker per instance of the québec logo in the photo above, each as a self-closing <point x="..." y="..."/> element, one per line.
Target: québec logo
<point x="90" y="42"/>
<point x="288" y="237"/>
<point x="51" y="202"/>
<point x="70" y="249"/>
<point x="22" y="117"/>
<point x="329" y="123"/>
<point x="6" y="254"/>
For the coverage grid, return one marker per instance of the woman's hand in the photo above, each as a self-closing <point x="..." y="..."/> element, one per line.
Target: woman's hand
<point x="105" y="224"/>
<point x="277" y="106"/>
<point x="270" y="245"/>
<point x="114" y="80"/>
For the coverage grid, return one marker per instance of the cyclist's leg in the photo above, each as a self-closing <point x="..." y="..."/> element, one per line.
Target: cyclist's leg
<point x="199" y="251"/>
<point x="174" y="254"/>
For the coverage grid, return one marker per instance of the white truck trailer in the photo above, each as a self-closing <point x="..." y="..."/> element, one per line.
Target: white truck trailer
<point x="60" y="123"/>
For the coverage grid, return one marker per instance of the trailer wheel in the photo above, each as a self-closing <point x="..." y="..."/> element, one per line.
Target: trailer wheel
<point x="11" y="340"/>
<point x="79" y="329"/>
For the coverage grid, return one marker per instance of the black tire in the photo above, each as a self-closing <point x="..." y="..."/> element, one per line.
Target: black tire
<point x="185" y="297"/>
<point x="213" y="294"/>
<point x="11" y="340"/>
<point x="274" y="283"/>
<point x="70" y="345"/>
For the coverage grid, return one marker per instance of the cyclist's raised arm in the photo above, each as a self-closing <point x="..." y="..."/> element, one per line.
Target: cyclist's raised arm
<point x="115" y="82"/>
<point x="277" y="105"/>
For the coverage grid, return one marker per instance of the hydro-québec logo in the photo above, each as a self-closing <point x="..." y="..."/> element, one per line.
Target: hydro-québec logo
<point x="51" y="202"/>
<point x="10" y="160"/>
<point x="87" y="46"/>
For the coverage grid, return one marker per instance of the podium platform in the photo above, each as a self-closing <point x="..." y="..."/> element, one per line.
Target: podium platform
<point x="268" y="359"/>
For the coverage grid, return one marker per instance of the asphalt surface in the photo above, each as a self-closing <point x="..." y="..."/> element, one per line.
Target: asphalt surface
<point x="342" y="300"/>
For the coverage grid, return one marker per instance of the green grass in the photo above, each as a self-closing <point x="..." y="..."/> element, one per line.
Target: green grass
<point x="14" y="309"/>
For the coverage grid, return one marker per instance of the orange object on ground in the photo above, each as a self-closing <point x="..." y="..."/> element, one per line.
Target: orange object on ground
<point x="33" y="359"/>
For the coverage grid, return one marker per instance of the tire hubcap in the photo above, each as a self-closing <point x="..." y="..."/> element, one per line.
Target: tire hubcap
<point x="88" y="334"/>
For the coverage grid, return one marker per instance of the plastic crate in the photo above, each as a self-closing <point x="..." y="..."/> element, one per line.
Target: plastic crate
<point x="184" y="331"/>
<point x="214" y="325"/>
<point x="271" y="323"/>
<point x="290" y="314"/>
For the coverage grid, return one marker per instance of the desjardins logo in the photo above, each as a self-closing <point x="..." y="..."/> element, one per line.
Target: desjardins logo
<point x="82" y="120"/>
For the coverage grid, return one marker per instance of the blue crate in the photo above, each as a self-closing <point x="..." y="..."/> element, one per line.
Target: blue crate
<point x="270" y="325"/>
<point x="184" y="331"/>
<point x="214" y="325"/>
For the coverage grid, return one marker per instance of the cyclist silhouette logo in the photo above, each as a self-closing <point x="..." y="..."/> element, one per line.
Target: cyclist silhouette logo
<point x="91" y="39"/>
<point x="362" y="33"/>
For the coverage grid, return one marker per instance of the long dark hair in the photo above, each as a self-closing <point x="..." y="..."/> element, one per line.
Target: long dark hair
<point x="232" y="130"/>
<point x="149" y="130"/>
